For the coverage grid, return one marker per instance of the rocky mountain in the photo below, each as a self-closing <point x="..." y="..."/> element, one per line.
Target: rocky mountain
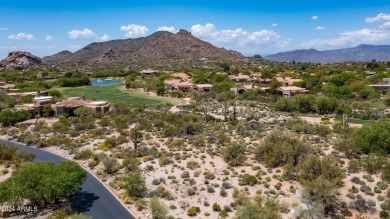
<point x="159" y="47"/>
<point x="20" y="60"/>
<point x="359" y="53"/>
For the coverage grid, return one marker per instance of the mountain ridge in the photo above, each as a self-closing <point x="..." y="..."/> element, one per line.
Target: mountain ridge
<point x="362" y="52"/>
<point x="160" y="47"/>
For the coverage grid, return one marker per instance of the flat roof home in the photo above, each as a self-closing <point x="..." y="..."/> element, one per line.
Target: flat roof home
<point x="287" y="81"/>
<point x="240" y="78"/>
<point x="203" y="87"/>
<point x="289" y="91"/>
<point x="36" y="107"/>
<point x="242" y="88"/>
<point x="72" y="103"/>
<point x="177" y="84"/>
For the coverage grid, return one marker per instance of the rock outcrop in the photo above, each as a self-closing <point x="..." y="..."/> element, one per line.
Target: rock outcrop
<point x="20" y="60"/>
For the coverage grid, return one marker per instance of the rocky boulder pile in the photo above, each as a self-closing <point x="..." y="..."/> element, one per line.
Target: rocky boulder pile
<point x="20" y="60"/>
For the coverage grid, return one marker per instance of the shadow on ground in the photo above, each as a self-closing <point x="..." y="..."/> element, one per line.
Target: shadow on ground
<point x="82" y="201"/>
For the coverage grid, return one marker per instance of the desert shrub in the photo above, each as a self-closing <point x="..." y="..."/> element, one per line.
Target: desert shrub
<point x="371" y="203"/>
<point x="130" y="164"/>
<point x="373" y="163"/>
<point x="156" y="182"/>
<point x="140" y="204"/>
<point x="223" y="193"/>
<point x="111" y="165"/>
<point x="348" y="146"/>
<point x="384" y="215"/>
<point x="360" y="204"/>
<point x="164" y="160"/>
<point x="385" y="206"/>
<point x="185" y="175"/>
<point x="234" y="154"/>
<point x="386" y="173"/>
<point x="240" y="196"/>
<point x="354" y="166"/>
<point x="83" y="154"/>
<point x="313" y="166"/>
<point x="324" y="192"/>
<point x="134" y="185"/>
<point x="191" y="191"/>
<point x="210" y="189"/>
<point x="161" y="192"/>
<point x="158" y="210"/>
<point x="216" y="207"/>
<point x="280" y="149"/>
<point x="209" y="175"/>
<point x="192" y="165"/>
<point x="268" y="209"/>
<point x="226" y="185"/>
<point x="248" y="180"/>
<point x="193" y="211"/>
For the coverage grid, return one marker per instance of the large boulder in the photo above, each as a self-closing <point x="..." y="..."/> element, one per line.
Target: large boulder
<point x="21" y="60"/>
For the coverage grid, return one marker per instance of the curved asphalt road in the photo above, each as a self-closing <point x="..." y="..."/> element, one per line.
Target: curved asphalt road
<point x="94" y="199"/>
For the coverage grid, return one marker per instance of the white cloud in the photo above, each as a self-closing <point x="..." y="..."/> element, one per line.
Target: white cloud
<point x="105" y="37"/>
<point x="85" y="34"/>
<point x="385" y="26"/>
<point x="315" y="17"/>
<point x="49" y="38"/>
<point x="171" y="29"/>
<point x="274" y="25"/>
<point x="3" y="28"/>
<point x="134" y="30"/>
<point x="352" y="38"/>
<point x="319" y="28"/>
<point x="22" y="36"/>
<point x="380" y="17"/>
<point x="239" y="39"/>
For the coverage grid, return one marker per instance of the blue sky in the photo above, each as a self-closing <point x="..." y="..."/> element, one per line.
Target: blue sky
<point x="251" y="27"/>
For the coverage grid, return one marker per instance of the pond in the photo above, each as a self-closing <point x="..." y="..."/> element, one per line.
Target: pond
<point x="104" y="82"/>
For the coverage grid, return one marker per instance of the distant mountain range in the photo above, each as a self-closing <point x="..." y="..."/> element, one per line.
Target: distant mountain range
<point x="359" y="53"/>
<point x="161" y="47"/>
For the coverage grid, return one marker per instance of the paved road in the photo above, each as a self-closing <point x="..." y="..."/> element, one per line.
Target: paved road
<point x="94" y="199"/>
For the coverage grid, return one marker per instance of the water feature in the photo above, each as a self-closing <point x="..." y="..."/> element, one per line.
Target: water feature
<point x="100" y="82"/>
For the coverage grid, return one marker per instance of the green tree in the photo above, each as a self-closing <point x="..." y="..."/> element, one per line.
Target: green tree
<point x="325" y="105"/>
<point x="159" y="211"/>
<point x="374" y="137"/>
<point x="234" y="154"/>
<point x="160" y="88"/>
<point x="280" y="149"/>
<point x="304" y="103"/>
<point x="42" y="182"/>
<point x="313" y="167"/>
<point x="225" y="98"/>
<point x="324" y="192"/>
<point x="11" y="117"/>
<point x="47" y="111"/>
<point x="284" y="104"/>
<point x="83" y="111"/>
<point x="134" y="185"/>
<point x="54" y="93"/>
